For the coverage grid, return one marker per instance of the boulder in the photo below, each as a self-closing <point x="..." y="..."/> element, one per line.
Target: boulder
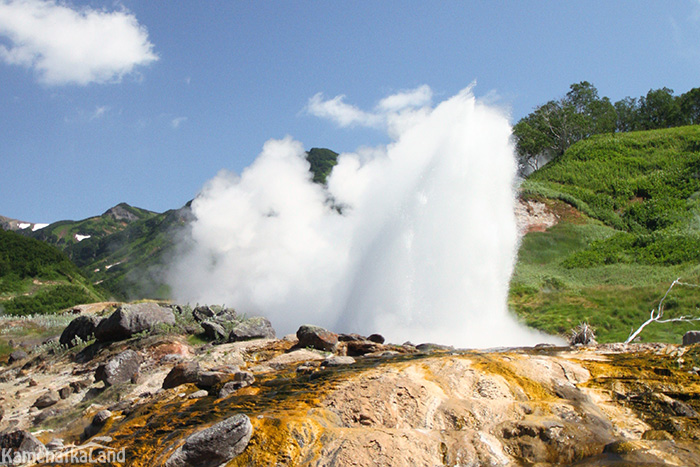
<point x="128" y="320"/>
<point x="82" y="327"/>
<point x="215" y="445"/>
<point x="65" y="392"/>
<point x="47" y="399"/>
<point x="256" y="327"/>
<point x="19" y="441"/>
<point x="182" y="373"/>
<point x="208" y="379"/>
<point x="203" y="313"/>
<point x="17" y="355"/>
<point x="317" y="338"/>
<point x="691" y="337"/>
<point x="357" y="348"/>
<point x="119" y="369"/>
<point x="376" y="338"/>
<point x="214" y="331"/>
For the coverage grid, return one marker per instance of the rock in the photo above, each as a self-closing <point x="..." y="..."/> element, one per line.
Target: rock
<point x="2" y="412"/>
<point x="226" y="314"/>
<point x="350" y="337"/>
<point x="19" y="441"/>
<point x="128" y="320"/>
<point x="81" y="384"/>
<point x="357" y="348"/>
<point x="203" y="313"/>
<point x="119" y="369"/>
<point x="198" y="394"/>
<point x="47" y="399"/>
<point x="691" y="337"/>
<point x="256" y="327"/>
<point x="82" y="327"/>
<point x="65" y="392"/>
<point x="215" y="445"/>
<point x="209" y="379"/>
<point x="335" y="360"/>
<point x="98" y="421"/>
<point x="44" y="415"/>
<point x="240" y="380"/>
<point x="317" y="338"/>
<point x="214" y="331"/>
<point x="430" y="347"/>
<point x="182" y="373"/>
<point x="17" y="355"/>
<point x="377" y="338"/>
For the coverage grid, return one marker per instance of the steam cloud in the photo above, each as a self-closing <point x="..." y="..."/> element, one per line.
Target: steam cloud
<point x="415" y="240"/>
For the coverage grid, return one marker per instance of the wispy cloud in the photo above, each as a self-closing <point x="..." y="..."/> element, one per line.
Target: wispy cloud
<point x="347" y="115"/>
<point x="66" y="45"/>
<point x="176" y="122"/>
<point x="99" y="112"/>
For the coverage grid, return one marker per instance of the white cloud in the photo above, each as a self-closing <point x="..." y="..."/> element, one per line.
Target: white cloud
<point x="176" y="122"/>
<point x="99" y="112"/>
<point x="386" y="112"/>
<point x="65" y="45"/>
<point x="419" y="97"/>
<point x="343" y="114"/>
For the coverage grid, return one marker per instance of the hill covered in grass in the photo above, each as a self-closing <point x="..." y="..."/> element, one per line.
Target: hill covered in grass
<point x="38" y="278"/>
<point x="629" y="224"/>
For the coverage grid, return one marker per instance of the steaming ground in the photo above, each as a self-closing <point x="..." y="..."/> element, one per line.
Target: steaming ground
<point x="415" y="240"/>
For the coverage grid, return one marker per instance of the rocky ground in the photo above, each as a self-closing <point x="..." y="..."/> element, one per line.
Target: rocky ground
<point x="206" y="387"/>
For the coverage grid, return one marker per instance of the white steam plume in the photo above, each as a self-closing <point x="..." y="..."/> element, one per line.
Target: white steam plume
<point x="423" y="249"/>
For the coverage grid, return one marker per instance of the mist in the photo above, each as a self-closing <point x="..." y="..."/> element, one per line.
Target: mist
<point x="415" y="239"/>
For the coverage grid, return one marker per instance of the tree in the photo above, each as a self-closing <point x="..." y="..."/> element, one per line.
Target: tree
<point x="627" y="114"/>
<point x="549" y="131"/>
<point x="659" y="109"/>
<point x="690" y="106"/>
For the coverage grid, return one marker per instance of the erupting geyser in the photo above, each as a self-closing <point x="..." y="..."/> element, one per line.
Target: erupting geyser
<point x="422" y="248"/>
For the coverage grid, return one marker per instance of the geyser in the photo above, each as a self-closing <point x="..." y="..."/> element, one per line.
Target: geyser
<point x="415" y="240"/>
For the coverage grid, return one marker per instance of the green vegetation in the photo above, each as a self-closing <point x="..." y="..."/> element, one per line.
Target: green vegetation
<point x="322" y="162"/>
<point x="38" y="278"/>
<point x="635" y="228"/>
<point x="553" y="127"/>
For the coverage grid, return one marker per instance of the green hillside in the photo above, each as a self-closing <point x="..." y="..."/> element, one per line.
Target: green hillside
<point x="635" y="227"/>
<point x="38" y="278"/>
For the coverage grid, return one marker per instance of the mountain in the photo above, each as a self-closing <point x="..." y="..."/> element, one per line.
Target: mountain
<point x="39" y="278"/>
<point x="626" y="211"/>
<point x="125" y="249"/>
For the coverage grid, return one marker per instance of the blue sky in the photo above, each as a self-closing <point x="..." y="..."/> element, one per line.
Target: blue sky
<point x="142" y="102"/>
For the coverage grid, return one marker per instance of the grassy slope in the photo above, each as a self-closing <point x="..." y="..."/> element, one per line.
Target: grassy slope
<point x="635" y="231"/>
<point x="38" y="278"/>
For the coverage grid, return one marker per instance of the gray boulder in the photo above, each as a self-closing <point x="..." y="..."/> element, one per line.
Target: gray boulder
<point x="124" y="367"/>
<point x="213" y="330"/>
<point x="336" y="360"/>
<point x="215" y="445"/>
<point x="317" y="338"/>
<point x="691" y="337"/>
<point x="17" y="355"/>
<point x="47" y="399"/>
<point x="203" y="313"/>
<point x="252" y="328"/>
<point x="82" y="327"/>
<point x="128" y="320"/>
<point x="19" y="441"/>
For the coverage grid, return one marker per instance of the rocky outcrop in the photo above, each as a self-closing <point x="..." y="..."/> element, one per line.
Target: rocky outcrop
<point x="256" y="327"/>
<point x="214" y="331"/>
<point x="82" y="327"/>
<point x="119" y="369"/>
<point x="215" y="445"/>
<point x="182" y="373"/>
<point x="316" y="337"/>
<point x="47" y="399"/>
<point x="128" y="320"/>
